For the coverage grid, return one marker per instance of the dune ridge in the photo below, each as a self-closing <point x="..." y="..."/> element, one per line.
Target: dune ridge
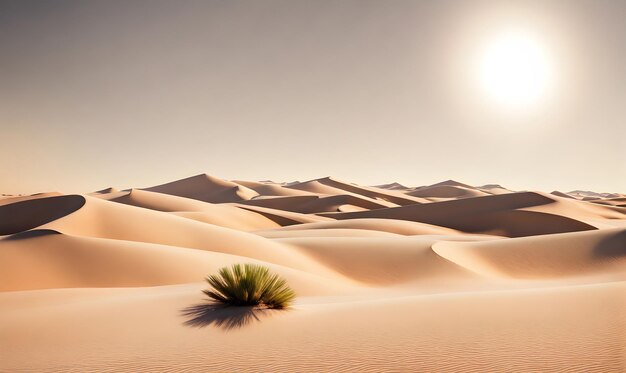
<point x="206" y="188"/>
<point x="513" y="214"/>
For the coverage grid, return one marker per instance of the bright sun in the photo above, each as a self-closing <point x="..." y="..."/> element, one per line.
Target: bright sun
<point x="515" y="70"/>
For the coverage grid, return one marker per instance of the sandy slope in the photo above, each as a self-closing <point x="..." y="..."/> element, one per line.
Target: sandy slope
<point x="270" y="189"/>
<point x="217" y="214"/>
<point x="5" y="200"/>
<point x="206" y="188"/>
<point x="329" y="185"/>
<point x="403" y="227"/>
<point x="92" y="217"/>
<point x="447" y="191"/>
<point x="314" y="204"/>
<point x="601" y="253"/>
<point x="617" y="201"/>
<point x="48" y="259"/>
<point x="513" y="214"/>
<point x="483" y="281"/>
<point x="283" y="217"/>
<point x="573" y="329"/>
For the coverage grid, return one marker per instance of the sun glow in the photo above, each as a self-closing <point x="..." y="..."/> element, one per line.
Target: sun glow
<point x="515" y="70"/>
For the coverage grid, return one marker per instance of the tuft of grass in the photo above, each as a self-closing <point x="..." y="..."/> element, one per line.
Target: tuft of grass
<point x="249" y="285"/>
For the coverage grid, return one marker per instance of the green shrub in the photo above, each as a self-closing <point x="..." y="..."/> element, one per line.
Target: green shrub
<point x="249" y="285"/>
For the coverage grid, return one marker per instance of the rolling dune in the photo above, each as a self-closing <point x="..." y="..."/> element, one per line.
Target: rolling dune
<point x="512" y="215"/>
<point x="380" y="260"/>
<point x="283" y="217"/>
<point x="315" y="204"/>
<point x="601" y="253"/>
<point x="24" y="215"/>
<point x="447" y="191"/>
<point x="329" y="232"/>
<point x="92" y="217"/>
<point x="328" y="185"/>
<point x="403" y="227"/>
<point x="64" y="261"/>
<point x="5" y="200"/>
<point x="267" y="189"/>
<point x="386" y="280"/>
<point x="206" y="188"/>
<point x="217" y="214"/>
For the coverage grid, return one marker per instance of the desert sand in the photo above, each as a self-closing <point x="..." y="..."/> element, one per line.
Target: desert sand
<point x="446" y="277"/>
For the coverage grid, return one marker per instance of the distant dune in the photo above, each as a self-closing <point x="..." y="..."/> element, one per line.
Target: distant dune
<point x="206" y="188"/>
<point x="512" y="215"/>
<point x="392" y="186"/>
<point x="561" y="194"/>
<point x="447" y="191"/>
<point x="446" y="277"/>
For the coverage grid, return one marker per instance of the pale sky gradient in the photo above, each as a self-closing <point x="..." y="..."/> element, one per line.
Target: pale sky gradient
<point x="137" y="93"/>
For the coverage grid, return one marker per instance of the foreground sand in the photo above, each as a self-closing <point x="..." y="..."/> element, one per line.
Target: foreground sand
<point x="442" y="278"/>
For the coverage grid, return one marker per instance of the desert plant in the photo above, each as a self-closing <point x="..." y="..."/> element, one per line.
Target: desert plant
<point x="249" y="285"/>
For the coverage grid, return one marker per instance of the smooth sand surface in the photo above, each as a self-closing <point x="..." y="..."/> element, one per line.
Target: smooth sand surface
<point x="440" y="278"/>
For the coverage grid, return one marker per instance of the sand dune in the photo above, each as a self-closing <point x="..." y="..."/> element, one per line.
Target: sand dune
<point x="589" y="213"/>
<point x="601" y="253"/>
<point x="230" y="217"/>
<point x="402" y="227"/>
<point x="92" y="217"/>
<point x="328" y="232"/>
<point x="381" y="260"/>
<point x="561" y="194"/>
<point x="64" y="261"/>
<point x="447" y="191"/>
<point x="156" y="201"/>
<point x="512" y="215"/>
<point x="617" y="202"/>
<point x="494" y="189"/>
<point x="108" y="190"/>
<point x="285" y="203"/>
<point x="31" y="213"/>
<point x="582" y="194"/>
<point x="329" y="185"/>
<point x="216" y="214"/>
<point x="314" y="204"/>
<point x="206" y="188"/>
<point x="392" y="186"/>
<point x="452" y="183"/>
<point x="12" y="199"/>
<point x="447" y="278"/>
<point x="283" y="217"/>
<point x="267" y="189"/>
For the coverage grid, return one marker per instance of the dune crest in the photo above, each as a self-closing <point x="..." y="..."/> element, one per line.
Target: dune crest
<point x="24" y="215"/>
<point x="512" y="215"/>
<point x="206" y="188"/>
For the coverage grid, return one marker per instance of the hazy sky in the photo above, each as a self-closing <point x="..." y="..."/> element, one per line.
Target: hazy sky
<point x="136" y="93"/>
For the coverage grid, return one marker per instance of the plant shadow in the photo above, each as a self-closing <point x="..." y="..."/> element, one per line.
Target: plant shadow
<point x="223" y="316"/>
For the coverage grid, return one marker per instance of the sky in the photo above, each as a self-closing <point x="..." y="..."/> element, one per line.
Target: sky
<point x="137" y="93"/>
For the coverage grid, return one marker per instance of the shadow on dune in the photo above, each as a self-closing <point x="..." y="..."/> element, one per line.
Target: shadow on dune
<point x="500" y="214"/>
<point x="223" y="317"/>
<point x="611" y="247"/>
<point x="32" y="234"/>
<point x="24" y="215"/>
